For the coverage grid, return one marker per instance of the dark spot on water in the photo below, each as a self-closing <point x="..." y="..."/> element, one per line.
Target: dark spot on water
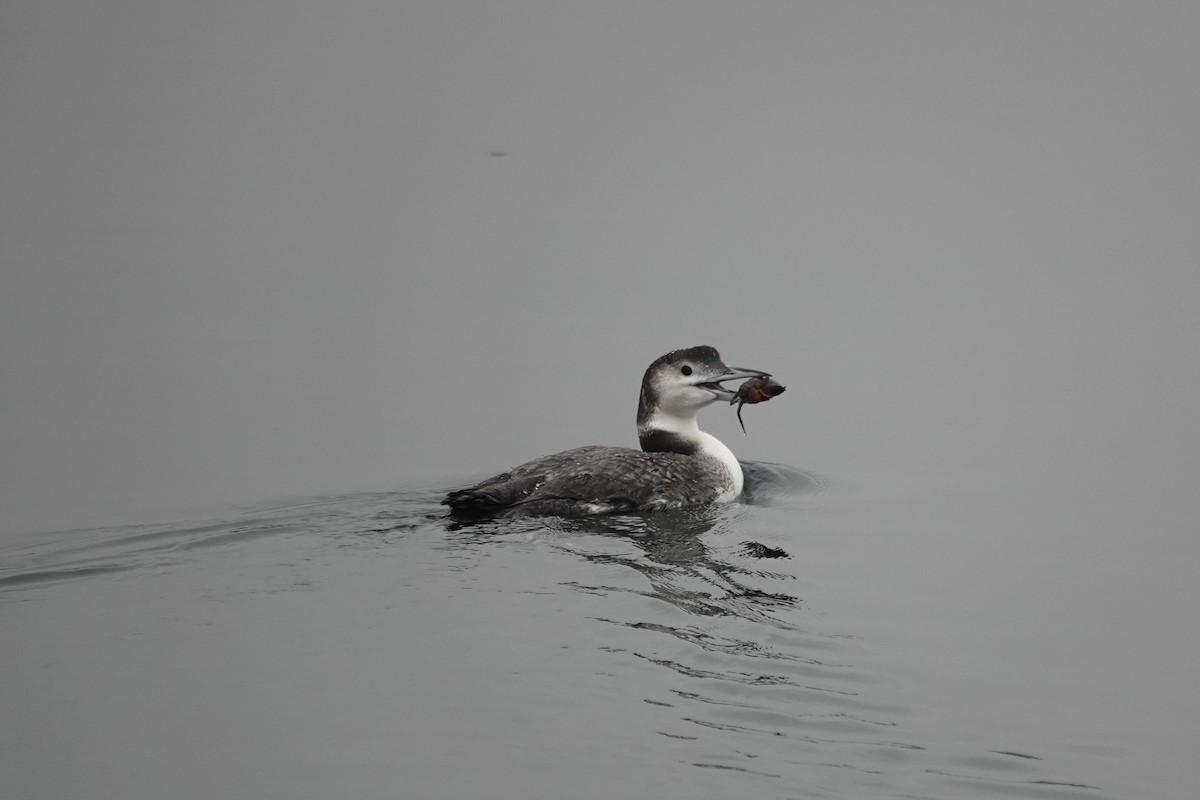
<point x="758" y="550"/>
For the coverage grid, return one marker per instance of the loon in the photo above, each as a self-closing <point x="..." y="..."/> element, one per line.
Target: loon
<point x="678" y="465"/>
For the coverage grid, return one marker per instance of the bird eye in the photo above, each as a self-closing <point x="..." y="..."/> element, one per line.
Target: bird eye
<point x="686" y="370"/>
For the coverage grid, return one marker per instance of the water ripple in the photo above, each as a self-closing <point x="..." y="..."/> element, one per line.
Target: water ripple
<point x="708" y="620"/>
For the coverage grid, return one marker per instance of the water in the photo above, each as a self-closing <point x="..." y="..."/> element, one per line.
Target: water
<point x="796" y="645"/>
<point x="250" y="251"/>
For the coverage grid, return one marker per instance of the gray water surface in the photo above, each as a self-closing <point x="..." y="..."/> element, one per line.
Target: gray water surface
<point x="800" y="644"/>
<point x="275" y="275"/>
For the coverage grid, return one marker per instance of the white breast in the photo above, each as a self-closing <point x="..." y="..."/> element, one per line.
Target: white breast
<point x="714" y="447"/>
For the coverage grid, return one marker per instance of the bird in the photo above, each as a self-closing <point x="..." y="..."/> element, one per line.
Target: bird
<point x="678" y="464"/>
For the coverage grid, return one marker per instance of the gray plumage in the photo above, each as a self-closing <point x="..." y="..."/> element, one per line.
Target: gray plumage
<point x="595" y="479"/>
<point x="678" y="464"/>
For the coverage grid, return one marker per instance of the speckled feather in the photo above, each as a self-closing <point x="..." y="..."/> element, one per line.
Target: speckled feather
<point x="591" y="479"/>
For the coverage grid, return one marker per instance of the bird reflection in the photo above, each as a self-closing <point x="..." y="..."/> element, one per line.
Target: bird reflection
<point x="681" y="569"/>
<point x="672" y="553"/>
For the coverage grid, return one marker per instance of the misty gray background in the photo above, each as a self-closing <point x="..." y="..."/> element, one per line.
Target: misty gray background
<point x="268" y="249"/>
<point x="255" y="251"/>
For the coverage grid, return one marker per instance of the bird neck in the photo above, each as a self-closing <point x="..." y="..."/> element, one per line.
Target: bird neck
<point x="667" y="433"/>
